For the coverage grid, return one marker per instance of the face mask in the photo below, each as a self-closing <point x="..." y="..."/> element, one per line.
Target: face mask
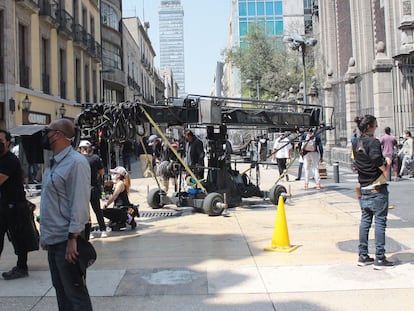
<point x="113" y="176"/>
<point x="45" y="142"/>
<point x="2" y="148"/>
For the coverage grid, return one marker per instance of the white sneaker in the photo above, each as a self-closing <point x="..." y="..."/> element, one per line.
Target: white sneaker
<point x="104" y="234"/>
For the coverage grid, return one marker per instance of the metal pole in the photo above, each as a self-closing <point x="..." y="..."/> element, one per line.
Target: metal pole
<point x="258" y="89"/>
<point x="336" y="172"/>
<point x="305" y="99"/>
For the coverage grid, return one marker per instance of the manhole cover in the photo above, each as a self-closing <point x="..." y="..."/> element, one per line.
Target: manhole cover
<point x="157" y="214"/>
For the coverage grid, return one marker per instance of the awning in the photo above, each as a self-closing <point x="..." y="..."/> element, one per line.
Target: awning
<point x="26" y="130"/>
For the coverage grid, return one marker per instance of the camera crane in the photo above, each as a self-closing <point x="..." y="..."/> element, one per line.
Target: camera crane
<point x="224" y="186"/>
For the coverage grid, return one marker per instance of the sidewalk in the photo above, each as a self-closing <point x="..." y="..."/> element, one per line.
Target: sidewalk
<point x="189" y="261"/>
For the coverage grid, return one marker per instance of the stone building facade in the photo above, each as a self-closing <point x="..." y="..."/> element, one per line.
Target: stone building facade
<point x="365" y="61"/>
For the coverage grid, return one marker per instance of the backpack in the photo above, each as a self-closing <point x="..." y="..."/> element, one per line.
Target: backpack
<point x="310" y="145"/>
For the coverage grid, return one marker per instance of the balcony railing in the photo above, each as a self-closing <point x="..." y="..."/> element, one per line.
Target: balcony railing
<point x="48" y="9"/>
<point x="80" y="35"/>
<point x="63" y="89"/>
<point x="94" y="47"/>
<point x="65" y="21"/>
<point x="46" y="83"/>
<point x="24" y="76"/>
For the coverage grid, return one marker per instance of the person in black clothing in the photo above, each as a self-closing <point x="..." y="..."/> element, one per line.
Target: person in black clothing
<point x="97" y="173"/>
<point x="373" y="193"/>
<point x="14" y="211"/>
<point x="194" y="153"/>
<point x="123" y="212"/>
<point x="127" y="150"/>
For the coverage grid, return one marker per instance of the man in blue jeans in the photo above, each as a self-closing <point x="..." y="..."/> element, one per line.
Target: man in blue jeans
<point x="373" y="196"/>
<point x="64" y="212"/>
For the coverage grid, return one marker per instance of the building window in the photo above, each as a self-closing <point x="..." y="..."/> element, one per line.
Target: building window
<point x="109" y="16"/>
<point x="23" y="51"/>
<point x="260" y="8"/>
<point x="45" y="65"/>
<point x="111" y="55"/>
<point x="62" y="73"/>
<point x="86" y="84"/>
<point x="251" y="9"/>
<point x="278" y="8"/>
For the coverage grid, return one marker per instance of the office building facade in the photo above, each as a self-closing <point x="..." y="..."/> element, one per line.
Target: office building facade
<point x="276" y="17"/>
<point x="171" y="28"/>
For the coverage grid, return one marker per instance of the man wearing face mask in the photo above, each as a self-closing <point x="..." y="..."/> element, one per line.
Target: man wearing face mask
<point x="14" y="211"/>
<point x="64" y="212"/>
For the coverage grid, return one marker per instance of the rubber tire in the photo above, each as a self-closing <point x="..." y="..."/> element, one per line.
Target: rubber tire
<point x="275" y="192"/>
<point x="209" y="204"/>
<point x="153" y="198"/>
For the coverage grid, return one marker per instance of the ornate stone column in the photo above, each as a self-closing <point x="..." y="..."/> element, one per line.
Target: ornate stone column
<point x="313" y="92"/>
<point x="351" y="91"/>
<point x="328" y="111"/>
<point x="382" y="87"/>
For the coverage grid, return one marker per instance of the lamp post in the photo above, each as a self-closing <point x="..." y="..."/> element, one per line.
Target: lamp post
<point x="248" y="81"/>
<point x="297" y="42"/>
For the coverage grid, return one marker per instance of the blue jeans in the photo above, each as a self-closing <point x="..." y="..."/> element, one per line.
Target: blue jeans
<point x="373" y="205"/>
<point x="68" y="281"/>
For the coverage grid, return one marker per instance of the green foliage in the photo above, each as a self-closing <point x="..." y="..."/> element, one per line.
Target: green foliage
<point x="266" y="59"/>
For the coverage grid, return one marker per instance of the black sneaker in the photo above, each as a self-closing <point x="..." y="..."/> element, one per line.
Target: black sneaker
<point x="15" y="273"/>
<point x="381" y="264"/>
<point x="365" y="260"/>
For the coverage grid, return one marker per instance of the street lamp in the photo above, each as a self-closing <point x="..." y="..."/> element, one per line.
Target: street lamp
<point x="248" y="81"/>
<point x="62" y="110"/>
<point x="296" y="43"/>
<point x="26" y="103"/>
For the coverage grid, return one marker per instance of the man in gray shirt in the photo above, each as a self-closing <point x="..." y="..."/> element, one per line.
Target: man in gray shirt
<point x="64" y="212"/>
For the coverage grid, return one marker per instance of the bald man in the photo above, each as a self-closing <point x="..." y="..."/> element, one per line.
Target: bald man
<point x="64" y="212"/>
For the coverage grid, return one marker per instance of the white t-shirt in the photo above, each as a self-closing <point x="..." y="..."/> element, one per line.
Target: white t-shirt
<point x="283" y="145"/>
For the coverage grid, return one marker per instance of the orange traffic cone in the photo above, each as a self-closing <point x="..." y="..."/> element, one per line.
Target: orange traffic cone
<point x="280" y="238"/>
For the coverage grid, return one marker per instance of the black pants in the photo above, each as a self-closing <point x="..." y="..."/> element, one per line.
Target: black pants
<point x="116" y="214"/>
<point x="96" y="206"/>
<point x="17" y="221"/>
<point x="281" y="164"/>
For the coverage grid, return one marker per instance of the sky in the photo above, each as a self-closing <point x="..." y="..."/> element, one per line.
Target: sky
<point x="205" y="36"/>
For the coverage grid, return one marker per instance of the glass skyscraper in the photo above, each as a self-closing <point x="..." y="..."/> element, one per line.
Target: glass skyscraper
<point x="276" y="17"/>
<point x="171" y="27"/>
<point x="267" y="14"/>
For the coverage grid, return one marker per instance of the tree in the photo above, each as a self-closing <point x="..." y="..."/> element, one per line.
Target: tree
<point x="263" y="58"/>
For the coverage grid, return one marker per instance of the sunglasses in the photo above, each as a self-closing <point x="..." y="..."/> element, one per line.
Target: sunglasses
<point x="46" y="130"/>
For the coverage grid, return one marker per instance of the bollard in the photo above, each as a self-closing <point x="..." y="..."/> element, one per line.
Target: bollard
<point x="336" y="172"/>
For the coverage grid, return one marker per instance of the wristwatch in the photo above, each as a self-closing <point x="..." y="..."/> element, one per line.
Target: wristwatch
<point x="73" y="236"/>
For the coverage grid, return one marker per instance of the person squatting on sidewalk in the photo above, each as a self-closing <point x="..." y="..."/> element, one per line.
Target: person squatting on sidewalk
<point x="373" y="196"/>
<point x="123" y="213"/>
<point x="64" y="213"/>
<point x="312" y="150"/>
<point x="16" y="216"/>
